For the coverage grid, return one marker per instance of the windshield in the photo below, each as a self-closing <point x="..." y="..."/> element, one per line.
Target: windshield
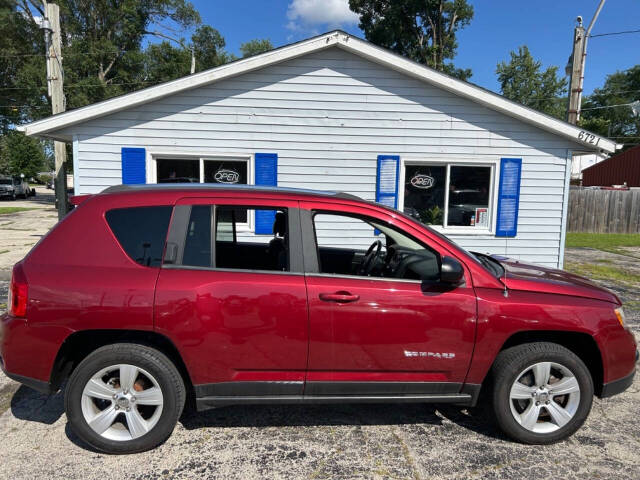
<point x="5" y="181"/>
<point x="490" y="263"/>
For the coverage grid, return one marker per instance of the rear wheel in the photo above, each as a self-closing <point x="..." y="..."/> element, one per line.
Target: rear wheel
<point x="124" y="398"/>
<point x="542" y="392"/>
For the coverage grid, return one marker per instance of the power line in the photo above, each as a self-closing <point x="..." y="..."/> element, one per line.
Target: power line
<point x="614" y="33"/>
<point x="82" y="85"/>
<point x="611" y="106"/>
<point x="67" y="54"/>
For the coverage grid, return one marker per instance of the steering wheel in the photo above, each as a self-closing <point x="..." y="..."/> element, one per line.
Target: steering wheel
<point x="373" y="252"/>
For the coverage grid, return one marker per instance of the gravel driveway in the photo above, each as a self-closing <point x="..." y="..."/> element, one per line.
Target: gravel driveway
<point x="343" y="441"/>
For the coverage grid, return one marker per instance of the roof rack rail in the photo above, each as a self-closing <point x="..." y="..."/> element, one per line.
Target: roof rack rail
<point x="348" y="196"/>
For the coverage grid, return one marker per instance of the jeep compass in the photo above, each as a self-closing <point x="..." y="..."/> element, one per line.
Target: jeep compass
<point x="145" y="297"/>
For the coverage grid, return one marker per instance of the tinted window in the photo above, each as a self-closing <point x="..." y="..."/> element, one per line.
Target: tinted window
<point x="197" y="245"/>
<point x="238" y="248"/>
<point x="141" y="231"/>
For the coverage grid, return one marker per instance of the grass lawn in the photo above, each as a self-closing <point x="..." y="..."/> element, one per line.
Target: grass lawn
<point x="608" y="242"/>
<point x="603" y="272"/>
<point x="601" y="268"/>
<point x="7" y="210"/>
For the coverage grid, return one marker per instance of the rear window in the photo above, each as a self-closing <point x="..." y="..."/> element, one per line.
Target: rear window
<point x="141" y="231"/>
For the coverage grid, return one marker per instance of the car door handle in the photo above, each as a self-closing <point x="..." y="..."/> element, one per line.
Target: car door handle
<point x="339" y="297"/>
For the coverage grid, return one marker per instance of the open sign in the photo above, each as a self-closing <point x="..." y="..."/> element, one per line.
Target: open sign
<point x="420" y="180"/>
<point x="226" y="176"/>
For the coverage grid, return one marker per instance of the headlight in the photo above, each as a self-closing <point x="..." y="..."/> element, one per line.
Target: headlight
<point x="620" y="314"/>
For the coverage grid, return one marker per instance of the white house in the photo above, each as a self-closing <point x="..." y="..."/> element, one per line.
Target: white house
<point x="335" y="112"/>
<point x="582" y="162"/>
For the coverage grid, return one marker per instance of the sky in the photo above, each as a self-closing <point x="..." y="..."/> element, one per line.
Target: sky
<point x="498" y="27"/>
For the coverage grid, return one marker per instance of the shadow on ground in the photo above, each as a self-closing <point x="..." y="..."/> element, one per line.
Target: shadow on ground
<point x="32" y="406"/>
<point x="39" y="199"/>
<point x="478" y="419"/>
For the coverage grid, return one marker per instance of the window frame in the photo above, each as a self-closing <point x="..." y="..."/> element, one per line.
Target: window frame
<point x="179" y="224"/>
<point x="152" y="170"/>
<point x="492" y="163"/>
<point x="311" y="247"/>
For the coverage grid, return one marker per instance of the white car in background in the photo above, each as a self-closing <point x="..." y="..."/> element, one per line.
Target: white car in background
<point x="15" y="187"/>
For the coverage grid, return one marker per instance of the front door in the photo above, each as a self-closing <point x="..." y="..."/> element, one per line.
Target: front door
<point x="233" y="302"/>
<point x="380" y="323"/>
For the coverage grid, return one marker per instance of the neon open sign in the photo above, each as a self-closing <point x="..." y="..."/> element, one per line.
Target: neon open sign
<point x="420" y="180"/>
<point x="226" y="176"/>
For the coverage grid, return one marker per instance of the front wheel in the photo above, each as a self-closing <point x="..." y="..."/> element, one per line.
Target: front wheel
<point x="542" y="392"/>
<point x="124" y="398"/>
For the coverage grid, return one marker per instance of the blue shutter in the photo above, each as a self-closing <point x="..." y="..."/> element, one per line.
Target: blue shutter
<point x="508" y="197"/>
<point x="133" y="166"/>
<point x="266" y="173"/>
<point x="387" y="180"/>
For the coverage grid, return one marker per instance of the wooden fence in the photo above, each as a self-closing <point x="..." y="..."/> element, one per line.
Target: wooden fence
<point x="604" y="211"/>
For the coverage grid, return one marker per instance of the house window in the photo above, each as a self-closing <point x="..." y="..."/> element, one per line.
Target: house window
<point x="449" y="195"/>
<point x="222" y="170"/>
<point x="228" y="171"/>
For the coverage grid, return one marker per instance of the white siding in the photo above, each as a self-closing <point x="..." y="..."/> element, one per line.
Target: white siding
<point x="328" y="115"/>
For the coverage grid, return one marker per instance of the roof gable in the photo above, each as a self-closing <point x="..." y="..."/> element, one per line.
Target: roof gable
<point x="49" y="127"/>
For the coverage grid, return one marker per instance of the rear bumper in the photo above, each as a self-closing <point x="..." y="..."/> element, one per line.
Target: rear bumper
<point x="26" y="353"/>
<point x="39" y="385"/>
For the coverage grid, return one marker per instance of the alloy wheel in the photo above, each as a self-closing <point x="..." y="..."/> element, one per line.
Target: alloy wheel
<point x="122" y="402"/>
<point x="544" y="397"/>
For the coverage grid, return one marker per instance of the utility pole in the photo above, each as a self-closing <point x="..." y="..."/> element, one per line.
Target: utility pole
<point x="575" y="68"/>
<point x="55" y="80"/>
<point x="577" y="63"/>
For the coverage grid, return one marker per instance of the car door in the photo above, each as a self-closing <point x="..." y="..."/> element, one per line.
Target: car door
<point x="234" y="306"/>
<point x="370" y="335"/>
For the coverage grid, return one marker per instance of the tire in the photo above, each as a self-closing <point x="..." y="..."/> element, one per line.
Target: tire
<point x="560" y="416"/>
<point x="105" y="368"/>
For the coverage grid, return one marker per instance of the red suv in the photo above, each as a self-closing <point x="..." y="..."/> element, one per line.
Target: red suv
<point x="146" y="296"/>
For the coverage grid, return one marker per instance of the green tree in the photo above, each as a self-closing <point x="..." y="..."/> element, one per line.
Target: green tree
<point x="21" y="154"/>
<point x="167" y="61"/>
<point x="422" y="30"/>
<point x="102" y="42"/>
<point x="255" y="47"/>
<point x="522" y="80"/>
<point x="209" y="46"/>
<point x="22" y="68"/>
<point x="620" y="123"/>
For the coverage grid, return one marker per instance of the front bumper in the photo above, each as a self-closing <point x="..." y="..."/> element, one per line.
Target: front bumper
<point x="618" y="386"/>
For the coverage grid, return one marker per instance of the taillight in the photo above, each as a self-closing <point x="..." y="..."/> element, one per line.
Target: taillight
<point x="18" y="293"/>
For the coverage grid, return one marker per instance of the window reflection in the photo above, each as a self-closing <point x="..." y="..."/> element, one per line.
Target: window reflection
<point x="469" y="196"/>
<point x="178" y="170"/>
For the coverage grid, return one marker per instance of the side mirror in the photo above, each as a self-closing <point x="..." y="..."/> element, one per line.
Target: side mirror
<point x="451" y="271"/>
